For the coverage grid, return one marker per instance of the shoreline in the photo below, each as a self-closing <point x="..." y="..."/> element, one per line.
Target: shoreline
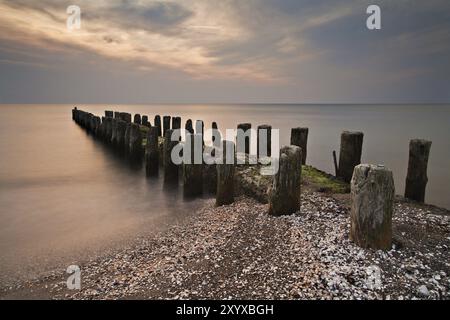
<point x="240" y="252"/>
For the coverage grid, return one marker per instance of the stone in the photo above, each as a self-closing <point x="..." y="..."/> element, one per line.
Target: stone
<point x="372" y="201"/>
<point x="284" y="197"/>
<point x="417" y="179"/>
<point x="423" y="291"/>
<point x="299" y="137"/>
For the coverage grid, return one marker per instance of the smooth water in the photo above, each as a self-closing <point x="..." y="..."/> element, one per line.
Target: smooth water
<point x="64" y="195"/>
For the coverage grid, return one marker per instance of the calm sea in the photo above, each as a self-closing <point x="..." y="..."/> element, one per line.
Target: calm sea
<point x="65" y="197"/>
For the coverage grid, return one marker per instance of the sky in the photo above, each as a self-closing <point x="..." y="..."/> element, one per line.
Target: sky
<point x="224" y="51"/>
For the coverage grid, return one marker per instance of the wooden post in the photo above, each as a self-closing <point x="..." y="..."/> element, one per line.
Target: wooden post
<point x="137" y="119"/>
<point x="125" y="117"/>
<point x="192" y="172"/>
<point x="108" y="129"/>
<point x="189" y="128"/>
<point x="145" y="121"/>
<point x="127" y="138"/>
<point x="170" y="169"/>
<point x="350" y="154"/>
<point x="166" y="124"/>
<point x="120" y="136"/>
<point x="417" y="179"/>
<point x="299" y="137"/>
<point x="372" y="195"/>
<point x="284" y="198"/>
<point x="116" y="115"/>
<point x="266" y="132"/>
<point x="225" y="176"/>
<point x="135" y="144"/>
<point x="109" y="114"/>
<point x="114" y="131"/>
<point x="176" y="123"/>
<point x="247" y="138"/>
<point x="152" y="152"/>
<point x="158" y="125"/>
<point x="216" y="137"/>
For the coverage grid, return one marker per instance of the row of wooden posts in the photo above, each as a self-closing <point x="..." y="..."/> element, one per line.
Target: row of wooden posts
<point x="372" y="187"/>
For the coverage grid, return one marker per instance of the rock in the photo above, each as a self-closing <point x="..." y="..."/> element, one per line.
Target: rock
<point x="423" y="291"/>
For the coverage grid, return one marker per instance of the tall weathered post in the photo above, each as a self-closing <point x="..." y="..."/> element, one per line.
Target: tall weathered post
<point x="74" y="112"/>
<point x="120" y="135"/>
<point x="193" y="166"/>
<point x="145" y="121"/>
<point x="170" y="168"/>
<point x="264" y="147"/>
<point x="108" y="129"/>
<point x="350" y="154"/>
<point x="158" y="125"/>
<point x="417" y="179"/>
<point x="127" y="138"/>
<point x="152" y="152"/>
<point x="176" y="123"/>
<point x="116" y="115"/>
<point x="166" y="124"/>
<point x="284" y="198"/>
<point x="189" y="128"/>
<point x="125" y="117"/>
<point x="109" y="114"/>
<point x="372" y="195"/>
<point x="225" y="175"/>
<point x="137" y="118"/>
<point x="244" y="134"/>
<point x="299" y="137"/>
<point x="135" y="144"/>
<point x="114" y="131"/>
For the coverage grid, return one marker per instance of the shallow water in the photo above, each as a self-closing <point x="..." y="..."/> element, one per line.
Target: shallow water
<point x="65" y="196"/>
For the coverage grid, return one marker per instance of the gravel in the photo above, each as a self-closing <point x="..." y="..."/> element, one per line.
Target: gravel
<point x="240" y="252"/>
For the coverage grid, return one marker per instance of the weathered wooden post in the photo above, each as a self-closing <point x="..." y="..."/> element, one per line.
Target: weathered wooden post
<point x="264" y="131"/>
<point x="152" y="152"/>
<point x="97" y="126"/>
<point x="114" y="131"/>
<point x="176" y="123"/>
<point x="125" y="117"/>
<point x="193" y="171"/>
<point x="135" y="144"/>
<point x="120" y="135"/>
<point x="216" y="137"/>
<point x="158" y="124"/>
<point x="284" y="198"/>
<point x="245" y="134"/>
<point x="116" y="115"/>
<point x="166" y="124"/>
<point x="170" y="168"/>
<point x="225" y="175"/>
<point x="145" y="121"/>
<point x="74" y="112"/>
<point x="372" y="194"/>
<point x="137" y="118"/>
<point x="299" y="137"/>
<point x="101" y="129"/>
<point x="350" y="154"/>
<point x="127" y="138"/>
<point x="189" y="128"/>
<point x="109" y="114"/>
<point x="108" y="129"/>
<point x="417" y="179"/>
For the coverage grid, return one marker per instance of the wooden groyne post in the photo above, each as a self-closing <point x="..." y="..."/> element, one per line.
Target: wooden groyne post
<point x="120" y="136"/>
<point x="170" y="168"/>
<point x="158" y="124"/>
<point x="225" y="175"/>
<point x="125" y="117"/>
<point x="176" y="123"/>
<point x="244" y="136"/>
<point x="284" y="198"/>
<point x="299" y="137"/>
<point x="166" y="124"/>
<point x="109" y="114"/>
<point x="137" y="119"/>
<point x="145" y="121"/>
<point x="372" y="196"/>
<point x="152" y="152"/>
<point x="417" y="179"/>
<point x="193" y="172"/>
<point x="350" y="154"/>
<point x="265" y="131"/>
<point x="135" y="143"/>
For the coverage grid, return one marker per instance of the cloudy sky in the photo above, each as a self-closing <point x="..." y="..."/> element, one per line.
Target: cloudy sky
<point x="224" y="51"/>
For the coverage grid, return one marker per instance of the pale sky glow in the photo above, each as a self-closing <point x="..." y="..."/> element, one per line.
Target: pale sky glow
<point x="224" y="51"/>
